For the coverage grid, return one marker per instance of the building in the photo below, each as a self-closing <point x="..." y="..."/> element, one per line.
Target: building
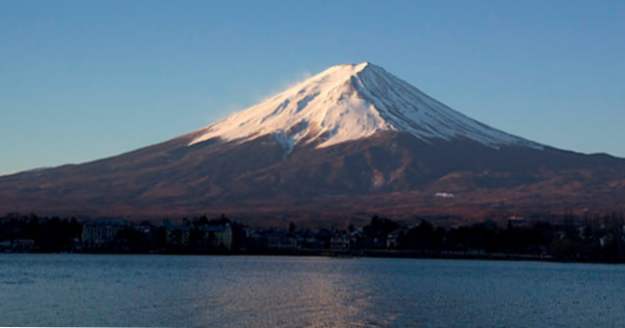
<point x="17" y="245"/>
<point x="219" y="235"/>
<point x="177" y="236"/>
<point x="101" y="233"/>
<point x="280" y="240"/>
<point x="518" y="222"/>
<point x="340" y="241"/>
<point x="392" y="239"/>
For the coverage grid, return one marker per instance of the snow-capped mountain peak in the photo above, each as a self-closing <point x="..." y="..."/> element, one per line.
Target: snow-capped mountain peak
<point x="350" y="102"/>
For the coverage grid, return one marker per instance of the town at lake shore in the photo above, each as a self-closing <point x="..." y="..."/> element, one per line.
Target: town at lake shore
<point x="565" y="238"/>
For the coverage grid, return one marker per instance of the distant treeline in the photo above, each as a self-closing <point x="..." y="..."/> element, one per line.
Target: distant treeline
<point x="46" y="234"/>
<point x="573" y="238"/>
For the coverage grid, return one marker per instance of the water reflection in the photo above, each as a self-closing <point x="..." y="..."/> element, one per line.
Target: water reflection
<point x="287" y="292"/>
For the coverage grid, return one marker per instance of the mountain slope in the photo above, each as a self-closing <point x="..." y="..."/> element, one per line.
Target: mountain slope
<point x="353" y="139"/>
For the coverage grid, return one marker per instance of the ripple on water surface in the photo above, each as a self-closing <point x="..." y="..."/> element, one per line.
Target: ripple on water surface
<point x="305" y="292"/>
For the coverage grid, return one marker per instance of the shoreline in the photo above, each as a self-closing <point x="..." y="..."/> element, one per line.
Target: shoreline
<point x="417" y="255"/>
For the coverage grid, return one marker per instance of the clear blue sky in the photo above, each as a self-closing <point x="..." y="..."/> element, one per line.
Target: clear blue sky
<point x="81" y="80"/>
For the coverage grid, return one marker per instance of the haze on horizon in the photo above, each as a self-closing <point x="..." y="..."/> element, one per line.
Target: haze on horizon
<point x="81" y="81"/>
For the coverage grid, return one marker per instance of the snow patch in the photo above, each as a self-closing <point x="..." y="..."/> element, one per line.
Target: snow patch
<point x="444" y="195"/>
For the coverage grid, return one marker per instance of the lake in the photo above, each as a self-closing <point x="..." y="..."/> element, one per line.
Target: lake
<point x="264" y="291"/>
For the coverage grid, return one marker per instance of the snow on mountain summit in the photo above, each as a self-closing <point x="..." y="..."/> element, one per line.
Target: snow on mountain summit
<point x="350" y="102"/>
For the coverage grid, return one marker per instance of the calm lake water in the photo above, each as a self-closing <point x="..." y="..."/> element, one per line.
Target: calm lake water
<point x="212" y="291"/>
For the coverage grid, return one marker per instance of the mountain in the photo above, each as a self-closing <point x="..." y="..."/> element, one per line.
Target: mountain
<point x="351" y="140"/>
<point x="352" y="102"/>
